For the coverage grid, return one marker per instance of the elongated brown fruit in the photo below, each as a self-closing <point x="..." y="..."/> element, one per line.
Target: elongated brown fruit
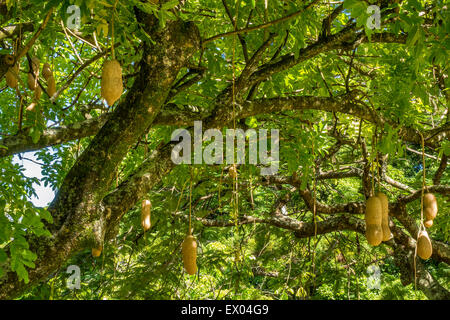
<point x="111" y="84"/>
<point x="51" y="86"/>
<point x="430" y="212"/>
<point x="430" y="206"/>
<point x="189" y="251"/>
<point x="145" y="214"/>
<point x="37" y="93"/>
<point x="429" y="199"/>
<point x="373" y="217"/>
<point x="12" y="76"/>
<point x="387" y="235"/>
<point x="35" y="62"/>
<point x="47" y="71"/>
<point x="32" y="82"/>
<point x="424" y="247"/>
<point x="96" y="252"/>
<point x="428" y="223"/>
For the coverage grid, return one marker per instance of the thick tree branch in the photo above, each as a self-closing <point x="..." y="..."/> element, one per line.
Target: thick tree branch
<point x="22" y="142"/>
<point x="172" y="114"/>
<point x="79" y="220"/>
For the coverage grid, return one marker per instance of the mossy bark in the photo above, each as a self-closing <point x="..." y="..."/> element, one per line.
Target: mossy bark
<point x="79" y="216"/>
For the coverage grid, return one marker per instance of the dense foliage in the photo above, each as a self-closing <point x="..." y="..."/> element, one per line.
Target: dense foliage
<point x="350" y="102"/>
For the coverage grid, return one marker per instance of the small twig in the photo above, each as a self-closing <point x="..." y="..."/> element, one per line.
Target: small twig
<point x="70" y="42"/>
<point x="261" y="26"/>
<point x="35" y="36"/>
<point x="325" y="82"/>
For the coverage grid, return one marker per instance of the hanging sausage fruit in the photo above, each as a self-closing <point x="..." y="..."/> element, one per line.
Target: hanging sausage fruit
<point x="387" y="235"/>
<point x="189" y="251"/>
<point x="373" y="217"/>
<point x="145" y="214"/>
<point x="111" y="84"/>
<point x="430" y="209"/>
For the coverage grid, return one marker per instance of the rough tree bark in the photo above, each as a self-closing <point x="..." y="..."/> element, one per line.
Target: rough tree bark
<point x="86" y="213"/>
<point x="79" y="218"/>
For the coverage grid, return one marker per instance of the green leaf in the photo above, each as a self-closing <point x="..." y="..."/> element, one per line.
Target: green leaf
<point x="413" y="36"/>
<point x="348" y="4"/>
<point x="45" y="214"/>
<point x="3" y="255"/>
<point x="22" y="272"/>
<point x="35" y="134"/>
<point x="169" y="5"/>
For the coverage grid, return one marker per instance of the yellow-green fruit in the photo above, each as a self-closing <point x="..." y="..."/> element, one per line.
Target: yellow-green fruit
<point x="374" y="234"/>
<point x="51" y="86"/>
<point x="374" y="212"/>
<point x="189" y="251"/>
<point x="32" y="82"/>
<point x="46" y="71"/>
<point x="424" y="247"/>
<point x="111" y="84"/>
<point x="428" y="223"/>
<point x="373" y="217"/>
<point x="387" y="235"/>
<point x="145" y="215"/>
<point x="37" y="93"/>
<point x="96" y="252"/>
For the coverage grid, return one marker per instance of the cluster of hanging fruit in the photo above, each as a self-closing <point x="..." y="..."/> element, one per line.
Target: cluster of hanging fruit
<point x="377" y="222"/>
<point x="424" y="247"/>
<point x="188" y="248"/>
<point x="12" y="75"/>
<point x="377" y="219"/>
<point x="12" y="80"/>
<point x="111" y="81"/>
<point x="145" y="222"/>
<point x="48" y="76"/>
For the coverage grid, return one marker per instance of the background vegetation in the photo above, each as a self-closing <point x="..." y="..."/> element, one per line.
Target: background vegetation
<point x="347" y="84"/>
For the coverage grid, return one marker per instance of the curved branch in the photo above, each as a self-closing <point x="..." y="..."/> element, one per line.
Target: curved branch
<point x="22" y="142"/>
<point x="441" y="189"/>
